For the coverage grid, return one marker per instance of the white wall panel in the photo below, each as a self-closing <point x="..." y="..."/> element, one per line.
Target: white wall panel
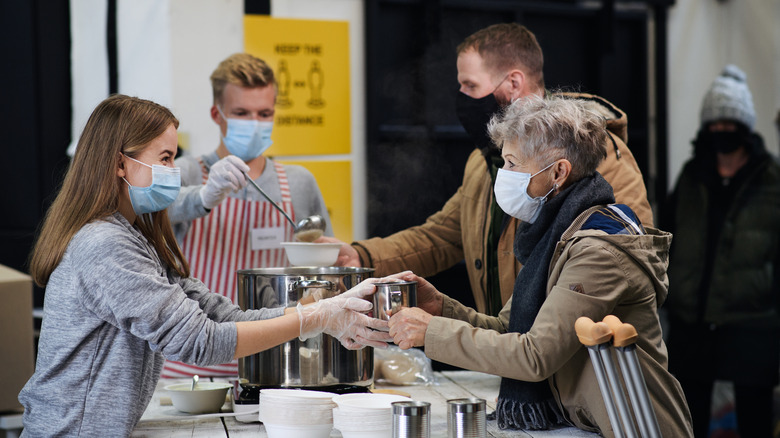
<point x="704" y="36"/>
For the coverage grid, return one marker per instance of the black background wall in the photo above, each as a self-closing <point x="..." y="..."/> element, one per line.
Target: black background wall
<point x="35" y="122"/>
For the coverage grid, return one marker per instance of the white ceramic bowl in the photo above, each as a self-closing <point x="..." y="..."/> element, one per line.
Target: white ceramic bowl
<point x="298" y="431"/>
<point x="207" y="396"/>
<point x="367" y="402"/>
<point x="311" y="254"/>
<point x="384" y="433"/>
<point x="312" y="396"/>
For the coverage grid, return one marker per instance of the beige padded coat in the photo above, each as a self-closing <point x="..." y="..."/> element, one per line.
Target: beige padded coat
<point x="591" y="274"/>
<point x="459" y="230"/>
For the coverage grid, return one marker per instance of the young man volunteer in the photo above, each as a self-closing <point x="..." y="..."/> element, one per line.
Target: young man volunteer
<point x="221" y="224"/>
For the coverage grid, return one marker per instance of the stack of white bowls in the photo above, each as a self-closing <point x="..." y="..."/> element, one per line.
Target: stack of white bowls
<point x="296" y="413"/>
<point x="365" y="415"/>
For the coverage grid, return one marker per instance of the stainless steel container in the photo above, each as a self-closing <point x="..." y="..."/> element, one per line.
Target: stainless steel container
<point x="391" y="296"/>
<point x="411" y="419"/>
<point x="466" y="418"/>
<point x="320" y="361"/>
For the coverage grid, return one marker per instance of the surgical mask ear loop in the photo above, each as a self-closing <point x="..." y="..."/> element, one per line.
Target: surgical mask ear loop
<point x="555" y="185"/>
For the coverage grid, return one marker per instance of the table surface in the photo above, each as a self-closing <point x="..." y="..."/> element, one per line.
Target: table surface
<point x="163" y="420"/>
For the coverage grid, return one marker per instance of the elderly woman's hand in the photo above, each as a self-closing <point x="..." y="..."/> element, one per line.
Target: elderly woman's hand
<point x="408" y="327"/>
<point x="428" y="297"/>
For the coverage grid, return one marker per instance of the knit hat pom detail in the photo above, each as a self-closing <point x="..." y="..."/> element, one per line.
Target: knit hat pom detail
<point x="729" y="98"/>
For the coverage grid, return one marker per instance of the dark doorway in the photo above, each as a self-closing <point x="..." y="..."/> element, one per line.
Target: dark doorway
<point x="35" y="42"/>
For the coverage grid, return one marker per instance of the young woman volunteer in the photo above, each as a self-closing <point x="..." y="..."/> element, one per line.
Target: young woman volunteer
<point x="118" y="292"/>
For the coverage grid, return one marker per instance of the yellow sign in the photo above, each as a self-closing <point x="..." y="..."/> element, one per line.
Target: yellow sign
<point x="335" y="181"/>
<point x="310" y="59"/>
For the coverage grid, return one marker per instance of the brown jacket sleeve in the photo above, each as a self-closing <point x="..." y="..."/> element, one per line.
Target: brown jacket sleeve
<point x="425" y="249"/>
<point x="535" y="355"/>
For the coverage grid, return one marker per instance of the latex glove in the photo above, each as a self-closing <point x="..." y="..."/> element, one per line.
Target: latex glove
<point x="367" y="287"/>
<point x="225" y="176"/>
<point x="348" y="256"/>
<point x="339" y="317"/>
<point x="362" y="290"/>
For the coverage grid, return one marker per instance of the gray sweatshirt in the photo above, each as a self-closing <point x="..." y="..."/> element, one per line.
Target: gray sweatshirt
<point x="111" y="311"/>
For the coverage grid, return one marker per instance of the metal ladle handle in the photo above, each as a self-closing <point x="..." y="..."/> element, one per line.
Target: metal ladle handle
<point x="262" y="192"/>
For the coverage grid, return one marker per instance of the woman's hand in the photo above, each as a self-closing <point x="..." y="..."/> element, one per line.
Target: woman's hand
<point x="342" y="317"/>
<point x="408" y="327"/>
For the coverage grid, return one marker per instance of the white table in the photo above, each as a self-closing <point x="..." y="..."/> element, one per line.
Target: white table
<point x="165" y="421"/>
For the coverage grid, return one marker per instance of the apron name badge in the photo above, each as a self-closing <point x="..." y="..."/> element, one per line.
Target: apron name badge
<point x="267" y="238"/>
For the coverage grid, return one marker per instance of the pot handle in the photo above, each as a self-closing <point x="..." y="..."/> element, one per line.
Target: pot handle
<point x="305" y="284"/>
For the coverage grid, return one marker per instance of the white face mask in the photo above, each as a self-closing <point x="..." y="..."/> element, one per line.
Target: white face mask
<point x="511" y="191"/>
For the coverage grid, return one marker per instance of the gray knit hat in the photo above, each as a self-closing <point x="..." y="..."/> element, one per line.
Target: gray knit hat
<point x="729" y="98"/>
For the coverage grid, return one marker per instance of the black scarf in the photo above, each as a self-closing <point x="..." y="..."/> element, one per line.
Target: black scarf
<point x="530" y="405"/>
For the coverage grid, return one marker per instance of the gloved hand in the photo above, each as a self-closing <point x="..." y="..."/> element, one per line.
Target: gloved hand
<point x="339" y="317"/>
<point x="224" y="177"/>
<point x="362" y="290"/>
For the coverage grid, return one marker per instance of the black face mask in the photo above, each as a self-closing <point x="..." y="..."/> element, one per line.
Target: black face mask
<point x="722" y="141"/>
<point x="474" y="115"/>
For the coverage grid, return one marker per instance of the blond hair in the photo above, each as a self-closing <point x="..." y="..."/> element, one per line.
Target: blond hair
<point x="91" y="188"/>
<point x="241" y="69"/>
<point x="507" y="46"/>
<point x="548" y="129"/>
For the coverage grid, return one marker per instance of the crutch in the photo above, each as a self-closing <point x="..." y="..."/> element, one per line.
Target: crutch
<point x="596" y="337"/>
<point x="624" y="338"/>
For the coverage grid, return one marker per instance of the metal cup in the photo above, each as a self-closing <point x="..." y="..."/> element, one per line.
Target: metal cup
<point x="411" y="419"/>
<point x="466" y="418"/>
<point x="391" y="296"/>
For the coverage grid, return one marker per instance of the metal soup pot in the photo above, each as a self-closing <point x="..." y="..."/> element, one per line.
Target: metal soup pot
<point x="320" y="361"/>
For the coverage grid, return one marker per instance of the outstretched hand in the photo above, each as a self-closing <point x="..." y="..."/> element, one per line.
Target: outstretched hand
<point x="408" y="327"/>
<point x="343" y="318"/>
<point x="428" y="297"/>
<point x="348" y="256"/>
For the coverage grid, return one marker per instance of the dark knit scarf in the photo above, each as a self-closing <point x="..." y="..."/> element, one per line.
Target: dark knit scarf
<point x="530" y="405"/>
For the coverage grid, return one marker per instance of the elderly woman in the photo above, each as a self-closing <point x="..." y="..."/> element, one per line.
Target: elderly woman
<point x="582" y="256"/>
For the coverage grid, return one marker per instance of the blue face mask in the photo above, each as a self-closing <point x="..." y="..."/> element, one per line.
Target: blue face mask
<point x="247" y="139"/>
<point x="166" y="182"/>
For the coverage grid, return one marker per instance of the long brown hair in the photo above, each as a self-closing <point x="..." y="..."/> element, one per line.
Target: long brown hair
<point x="91" y="188"/>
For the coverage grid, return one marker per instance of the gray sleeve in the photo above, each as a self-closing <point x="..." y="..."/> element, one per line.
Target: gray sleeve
<point x="129" y="289"/>
<point x="306" y="196"/>
<point x="220" y="308"/>
<point x="188" y="204"/>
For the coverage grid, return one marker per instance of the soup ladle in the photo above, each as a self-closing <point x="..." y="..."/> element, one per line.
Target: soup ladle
<point x="307" y="229"/>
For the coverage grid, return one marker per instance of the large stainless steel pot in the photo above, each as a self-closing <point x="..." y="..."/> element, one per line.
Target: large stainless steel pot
<point x="317" y="362"/>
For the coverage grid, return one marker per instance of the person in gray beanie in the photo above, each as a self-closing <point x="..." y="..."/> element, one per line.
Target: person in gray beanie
<point x="723" y="306"/>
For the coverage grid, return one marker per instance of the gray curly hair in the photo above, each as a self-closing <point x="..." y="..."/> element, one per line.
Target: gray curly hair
<point x="551" y="128"/>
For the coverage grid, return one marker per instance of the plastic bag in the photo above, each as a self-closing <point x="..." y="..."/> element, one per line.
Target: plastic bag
<point x="402" y="367"/>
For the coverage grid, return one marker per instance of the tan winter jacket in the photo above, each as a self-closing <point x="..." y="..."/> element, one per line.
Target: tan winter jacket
<point x="459" y="230"/>
<point x="591" y="274"/>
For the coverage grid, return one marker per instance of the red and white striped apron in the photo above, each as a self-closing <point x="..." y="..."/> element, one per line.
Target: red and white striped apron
<point x="218" y="244"/>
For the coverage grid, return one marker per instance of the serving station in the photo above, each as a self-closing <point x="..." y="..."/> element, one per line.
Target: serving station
<point x="162" y="420"/>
